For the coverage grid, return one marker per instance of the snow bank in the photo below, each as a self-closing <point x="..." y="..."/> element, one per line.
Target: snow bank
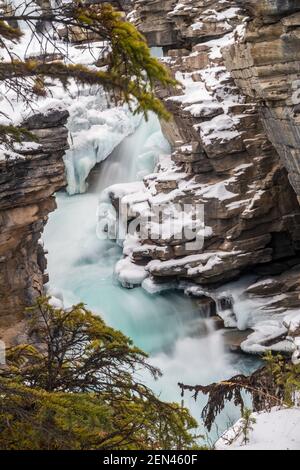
<point x="277" y="430"/>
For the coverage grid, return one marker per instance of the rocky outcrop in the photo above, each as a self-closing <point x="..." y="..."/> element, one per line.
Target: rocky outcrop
<point x="222" y="157"/>
<point x="265" y="65"/>
<point x="234" y="137"/>
<point x="28" y="180"/>
<point x="151" y="17"/>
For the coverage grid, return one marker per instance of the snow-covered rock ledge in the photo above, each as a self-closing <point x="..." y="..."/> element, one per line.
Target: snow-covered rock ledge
<point x="223" y="160"/>
<point x="266" y="307"/>
<point x="221" y="155"/>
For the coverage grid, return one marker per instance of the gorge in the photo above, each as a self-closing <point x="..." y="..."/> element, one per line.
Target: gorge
<point x="232" y="146"/>
<point x="177" y="333"/>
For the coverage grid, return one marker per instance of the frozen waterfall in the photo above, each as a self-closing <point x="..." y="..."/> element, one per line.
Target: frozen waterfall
<point x="95" y="132"/>
<point x="168" y="326"/>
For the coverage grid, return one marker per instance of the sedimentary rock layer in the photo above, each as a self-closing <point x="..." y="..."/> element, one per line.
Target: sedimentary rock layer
<point x="235" y="142"/>
<point x="265" y="64"/>
<point x="222" y="156"/>
<point x="27" y="184"/>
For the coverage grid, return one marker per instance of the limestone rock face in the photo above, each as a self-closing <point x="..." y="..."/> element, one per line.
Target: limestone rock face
<point x="222" y="157"/>
<point x="151" y="17"/>
<point x="27" y="184"/>
<point x="174" y="23"/>
<point x="270" y="9"/>
<point x="265" y="65"/>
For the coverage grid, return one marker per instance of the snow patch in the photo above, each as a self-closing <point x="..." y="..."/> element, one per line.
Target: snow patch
<point x="277" y="430"/>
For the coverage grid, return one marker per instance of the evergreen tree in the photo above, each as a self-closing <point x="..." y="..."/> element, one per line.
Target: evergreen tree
<point x="125" y="67"/>
<point x="276" y="384"/>
<point x="76" y="386"/>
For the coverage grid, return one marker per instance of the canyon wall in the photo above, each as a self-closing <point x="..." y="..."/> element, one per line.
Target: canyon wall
<point x="235" y="141"/>
<point x="265" y="64"/>
<point x="222" y="155"/>
<point x="27" y="184"/>
<point x="235" y="147"/>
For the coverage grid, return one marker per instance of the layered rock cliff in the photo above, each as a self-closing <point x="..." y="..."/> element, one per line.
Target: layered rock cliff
<point x="223" y="155"/>
<point x="27" y="184"/>
<point x="235" y="141"/>
<point x="265" y="65"/>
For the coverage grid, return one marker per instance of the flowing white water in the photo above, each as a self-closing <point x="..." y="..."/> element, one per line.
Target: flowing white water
<point x="168" y="326"/>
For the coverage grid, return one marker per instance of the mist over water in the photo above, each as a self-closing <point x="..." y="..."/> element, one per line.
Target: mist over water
<point x="169" y="326"/>
<point x="135" y="157"/>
